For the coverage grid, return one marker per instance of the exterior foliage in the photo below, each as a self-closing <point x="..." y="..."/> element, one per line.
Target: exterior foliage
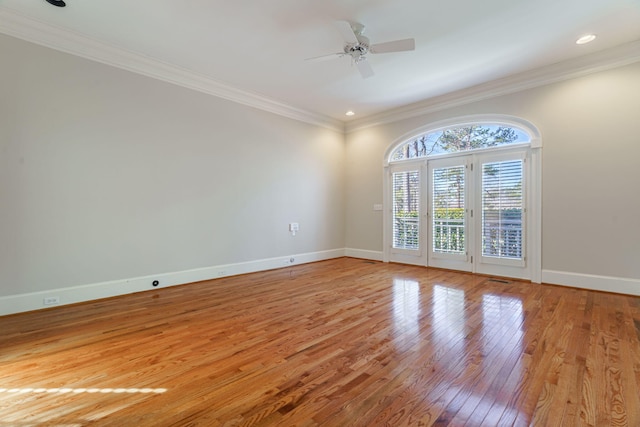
<point x="448" y="206"/>
<point x="406" y="205"/>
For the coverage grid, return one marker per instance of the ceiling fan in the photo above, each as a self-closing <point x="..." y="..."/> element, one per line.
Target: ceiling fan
<point x="357" y="46"/>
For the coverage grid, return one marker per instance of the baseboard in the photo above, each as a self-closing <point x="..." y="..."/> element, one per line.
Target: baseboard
<point x="618" y="285"/>
<point x="364" y="254"/>
<point x="34" y="301"/>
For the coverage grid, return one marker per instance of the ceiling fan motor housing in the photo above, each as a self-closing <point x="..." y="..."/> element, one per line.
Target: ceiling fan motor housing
<point x="357" y="50"/>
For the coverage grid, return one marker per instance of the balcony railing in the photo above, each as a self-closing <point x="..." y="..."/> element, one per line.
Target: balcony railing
<point x="502" y="238"/>
<point x="406" y="232"/>
<point x="448" y="235"/>
<point x="499" y="238"/>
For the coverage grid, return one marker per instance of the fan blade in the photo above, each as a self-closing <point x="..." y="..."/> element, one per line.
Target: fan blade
<point x="365" y="68"/>
<point x="347" y="32"/>
<point x="394" y="46"/>
<point x="326" y="57"/>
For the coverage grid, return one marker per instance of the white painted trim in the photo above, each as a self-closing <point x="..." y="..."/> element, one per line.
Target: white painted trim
<point x="364" y="254"/>
<point x="534" y="218"/>
<point x="17" y="25"/>
<point x="34" y="301"/>
<point x="620" y="56"/>
<point x="618" y="285"/>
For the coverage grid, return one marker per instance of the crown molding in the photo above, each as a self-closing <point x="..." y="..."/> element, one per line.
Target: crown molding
<point x="17" y="25"/>
<point x="577" y="67"/>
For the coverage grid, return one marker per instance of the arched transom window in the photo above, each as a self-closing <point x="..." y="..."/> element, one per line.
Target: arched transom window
<point x="458" y="139"/>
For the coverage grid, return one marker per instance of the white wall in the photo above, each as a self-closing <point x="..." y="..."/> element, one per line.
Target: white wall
<point x="590" y="130"/>
<point x="109" y="179"/>
<point x="106" y="175"/>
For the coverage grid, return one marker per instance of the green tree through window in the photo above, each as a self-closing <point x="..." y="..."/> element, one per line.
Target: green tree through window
<point x="457" y="139"/>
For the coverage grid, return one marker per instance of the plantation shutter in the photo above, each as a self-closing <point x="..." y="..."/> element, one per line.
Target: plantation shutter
<point x="448" y="210"/>
<point x="502" y="209"/>
<point x="406" y="208"/>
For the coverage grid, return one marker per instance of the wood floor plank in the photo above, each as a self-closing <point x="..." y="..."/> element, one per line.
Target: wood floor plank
<point x="344" y="342"/>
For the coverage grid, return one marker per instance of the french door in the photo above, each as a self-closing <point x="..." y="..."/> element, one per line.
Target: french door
<point x="465" y="212"/>
<point x="501" y="220"/>
<point x="448" y="215"/>
<point x="407" y="223"/>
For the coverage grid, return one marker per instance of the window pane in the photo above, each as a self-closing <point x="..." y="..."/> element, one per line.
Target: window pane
<point x="406" y="207"/>
<point x="502" y="209"/>
<point x="448" y="210"/>
<point x="457" y="139"/>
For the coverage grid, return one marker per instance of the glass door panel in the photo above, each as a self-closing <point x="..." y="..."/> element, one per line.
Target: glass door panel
<point x="448" y="214"/>
<point x="406" y="239"/>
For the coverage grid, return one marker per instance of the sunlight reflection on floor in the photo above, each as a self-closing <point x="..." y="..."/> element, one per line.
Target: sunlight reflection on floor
<point x="406" y="312"/>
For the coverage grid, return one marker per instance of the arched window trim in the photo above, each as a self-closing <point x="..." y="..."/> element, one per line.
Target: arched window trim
<point x="477" y="119"/>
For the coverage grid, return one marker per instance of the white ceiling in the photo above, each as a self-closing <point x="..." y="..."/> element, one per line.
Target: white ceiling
<point x="260" y="47"/>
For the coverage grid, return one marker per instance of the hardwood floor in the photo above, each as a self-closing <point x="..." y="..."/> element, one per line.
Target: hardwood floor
<point x="344" y="342"/>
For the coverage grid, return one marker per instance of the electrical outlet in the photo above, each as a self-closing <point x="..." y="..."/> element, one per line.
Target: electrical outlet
<point x="51" y="301"/>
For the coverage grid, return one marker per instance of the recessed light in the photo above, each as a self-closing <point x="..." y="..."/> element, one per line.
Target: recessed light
<point x="349" y="113"/>
<point x="586" y="39"/>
